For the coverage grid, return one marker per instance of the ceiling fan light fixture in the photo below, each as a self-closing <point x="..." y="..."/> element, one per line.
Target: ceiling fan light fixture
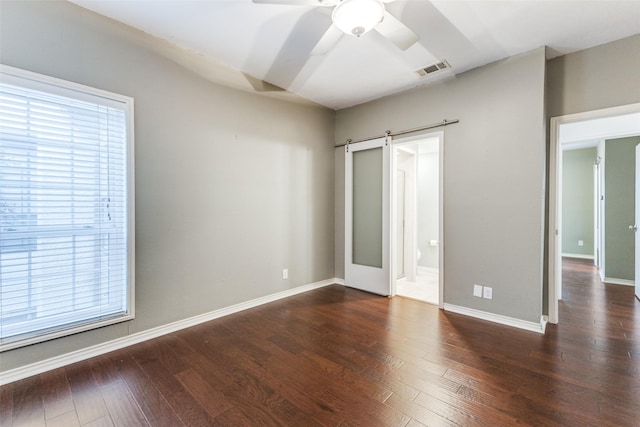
<point x="357" y="17"/>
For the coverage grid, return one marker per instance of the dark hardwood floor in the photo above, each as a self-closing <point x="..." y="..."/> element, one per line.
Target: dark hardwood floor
<point x="340" y="357"/>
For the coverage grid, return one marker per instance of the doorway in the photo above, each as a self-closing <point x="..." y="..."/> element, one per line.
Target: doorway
<point x="417" y="218"/>
<point x="584" y="128"/>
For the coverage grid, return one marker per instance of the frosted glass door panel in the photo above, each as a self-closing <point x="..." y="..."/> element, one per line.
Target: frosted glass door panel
<point x="367" y="216"/>
<point x="367" y="207"/>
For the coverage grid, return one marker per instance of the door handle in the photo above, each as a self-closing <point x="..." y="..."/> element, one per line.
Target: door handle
<point x="633" y="227"/>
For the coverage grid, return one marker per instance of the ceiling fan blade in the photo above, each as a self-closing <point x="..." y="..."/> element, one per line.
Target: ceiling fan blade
<point x="398" y="33"/>
<point x="328" y="41"/>
<point x="262" y="86"/>
<point x="298" y="2"/>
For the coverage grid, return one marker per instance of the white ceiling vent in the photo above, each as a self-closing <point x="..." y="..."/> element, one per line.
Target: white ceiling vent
<point x="433" y="69"/>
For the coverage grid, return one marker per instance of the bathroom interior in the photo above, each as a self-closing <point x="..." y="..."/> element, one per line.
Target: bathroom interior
<point x="418" y="219"/>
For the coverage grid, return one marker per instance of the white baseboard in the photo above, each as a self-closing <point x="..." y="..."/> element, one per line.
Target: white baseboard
<point x="581" y="256"/>
<point x="498" y="318"/>
<point x="614" y="281"/>
<point x="36" y="368"/>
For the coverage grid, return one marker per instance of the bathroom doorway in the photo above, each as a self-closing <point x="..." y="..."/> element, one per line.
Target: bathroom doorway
<point x="417" y="216"/>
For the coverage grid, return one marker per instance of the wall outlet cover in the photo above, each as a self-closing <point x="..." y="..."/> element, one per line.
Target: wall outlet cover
<point x="285" y="274"/>
<point x="488" y="292"/>
<point x="477" y="291"/>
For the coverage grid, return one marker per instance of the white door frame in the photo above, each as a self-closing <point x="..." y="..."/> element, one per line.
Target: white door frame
<point x="636" y="223"/>
<point x="597" y="223"/>
<point x="400" y="202"/>
<point x="393" y="250"/>
<point x="555" y="193"/>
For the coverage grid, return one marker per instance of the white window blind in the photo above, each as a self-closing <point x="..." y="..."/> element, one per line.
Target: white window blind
<point x="65" y="231"/>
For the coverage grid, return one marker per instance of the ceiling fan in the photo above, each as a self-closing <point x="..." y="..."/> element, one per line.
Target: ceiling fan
<point x="356" y="17"/>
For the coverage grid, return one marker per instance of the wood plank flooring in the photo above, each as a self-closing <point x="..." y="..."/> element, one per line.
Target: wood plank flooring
<point x="340" y="357"/>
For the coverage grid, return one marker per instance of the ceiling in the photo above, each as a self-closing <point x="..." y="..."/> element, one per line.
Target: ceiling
<point x="271" y="43"/>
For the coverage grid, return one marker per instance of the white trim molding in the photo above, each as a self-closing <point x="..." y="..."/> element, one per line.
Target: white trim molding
<point x="498" y="318"/>
<point x="580" y="256"/>
<point x="36" y="368"/>
<point x="614" y="281"/>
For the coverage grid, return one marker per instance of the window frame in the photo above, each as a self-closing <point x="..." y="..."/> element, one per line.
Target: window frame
<point x="76" y="91"/>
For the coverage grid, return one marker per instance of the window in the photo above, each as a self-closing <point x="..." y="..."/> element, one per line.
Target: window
<point x="66" y="208"/>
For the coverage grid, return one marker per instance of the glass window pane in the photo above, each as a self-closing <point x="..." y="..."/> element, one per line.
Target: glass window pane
<point x="64" y="243"/>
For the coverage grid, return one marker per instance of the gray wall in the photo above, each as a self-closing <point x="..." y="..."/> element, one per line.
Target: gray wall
<point x="592" y="79"/>
<point x="578" y="198"/>
<point x="619" y="195"/>
<point x="231" y="187"/>
<point x="493" y="199"/>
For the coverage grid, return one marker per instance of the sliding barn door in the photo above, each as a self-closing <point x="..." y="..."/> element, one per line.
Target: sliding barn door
<point x="367" y="210"/>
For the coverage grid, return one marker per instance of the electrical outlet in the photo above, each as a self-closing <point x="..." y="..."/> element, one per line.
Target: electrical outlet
<point x="580" y="242"/>
<point x="487" y="293"/>
<point x="285" y="274"/>
<point x="477" y="291"/>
